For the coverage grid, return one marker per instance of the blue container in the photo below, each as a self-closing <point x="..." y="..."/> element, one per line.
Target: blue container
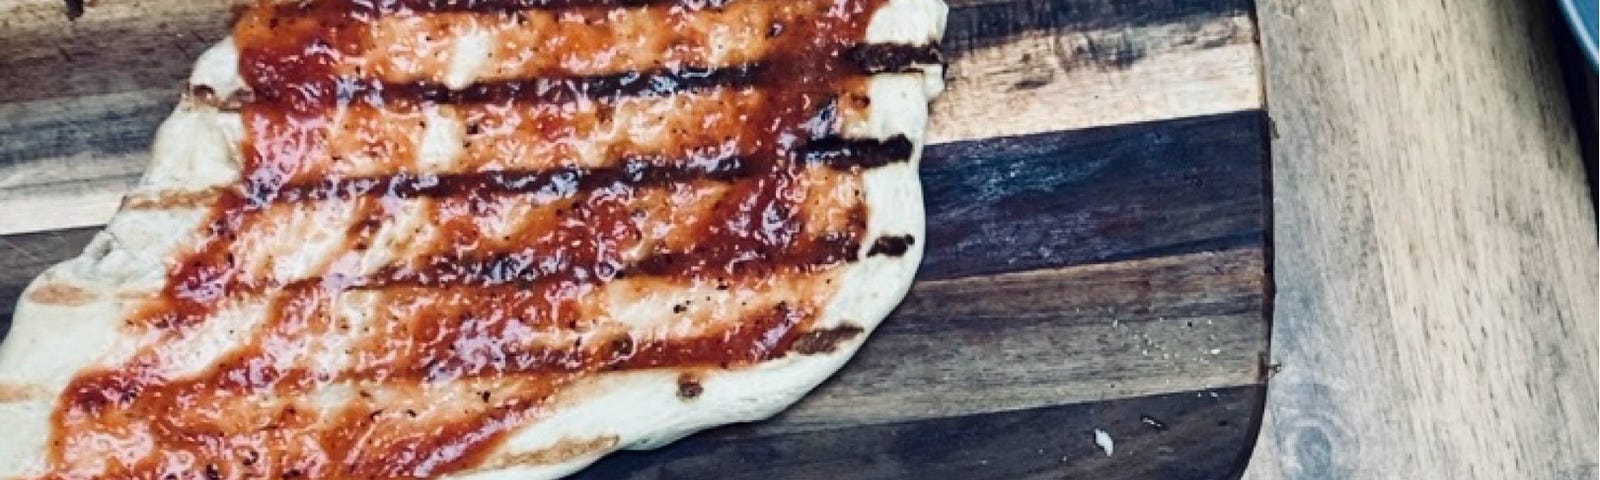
<point x="1581" y="16"/>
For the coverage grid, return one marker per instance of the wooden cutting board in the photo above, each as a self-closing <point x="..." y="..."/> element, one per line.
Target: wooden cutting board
<point x="1097" y="260"/>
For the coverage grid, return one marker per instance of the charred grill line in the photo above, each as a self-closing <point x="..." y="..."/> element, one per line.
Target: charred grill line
<point x="894" y="57"/>
<point x="846" y="154"/>
<point x="835" y="152"/>
<point x="554" y="90"/>
<point x="892" y="245"/>
<point x="559" y="183"/>
<point x="866" y="58"/>
<point x="515" y="5"/>
<point x="528" y="268"/>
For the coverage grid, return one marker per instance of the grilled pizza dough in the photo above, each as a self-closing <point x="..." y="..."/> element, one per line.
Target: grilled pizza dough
<point x="483" y="239"/>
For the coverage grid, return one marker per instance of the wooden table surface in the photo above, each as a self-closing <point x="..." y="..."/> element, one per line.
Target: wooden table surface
<point x="1435" y="246"/>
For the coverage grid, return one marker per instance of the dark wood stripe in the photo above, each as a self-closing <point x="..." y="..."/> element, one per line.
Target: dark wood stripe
<point x="979" y="23"/>
<point x="1095" y="195"/>
<point x="1204" y="435"/>
<point x="119" y="127"/>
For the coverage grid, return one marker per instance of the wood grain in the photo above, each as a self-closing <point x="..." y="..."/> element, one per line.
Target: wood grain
<point x="1065" y="77"/>
<point x="1201" y="436"/>
<point x="1094" y="195"/>
<point x="1435" y="247"/>
<point x="1041" y="338"/>
<point x="1017" y="67"/>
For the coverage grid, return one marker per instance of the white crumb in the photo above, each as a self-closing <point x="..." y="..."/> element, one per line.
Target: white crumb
<point x="1103" y="439"/>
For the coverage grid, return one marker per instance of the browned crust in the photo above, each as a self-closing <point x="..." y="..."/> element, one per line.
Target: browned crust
<point x="11" y="392"/>
<point x="172" y="199"/>
<point x="137" y="295"/>
<point x="62" y="295"/>
<point x="206" y="96"/>
<point x="563" y="451"/>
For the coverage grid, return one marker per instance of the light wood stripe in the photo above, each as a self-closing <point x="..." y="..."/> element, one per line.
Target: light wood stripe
<point x="1053" y="81"/>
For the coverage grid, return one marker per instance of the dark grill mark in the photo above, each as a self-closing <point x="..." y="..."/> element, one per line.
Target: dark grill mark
<point x="894" y="57"/>
<point x="846" y="154"/>
<point x="825" y="340"/>
<point x="689" y="386"/>
<point x="514" y="5"/>
<point x="835" y="152"/>
<point x="866" y="58"/>
<point x="526" y="268"/>
<point x="559" y="183"/>
<point x="631" y="84"/>
<point x="893" y="246"/>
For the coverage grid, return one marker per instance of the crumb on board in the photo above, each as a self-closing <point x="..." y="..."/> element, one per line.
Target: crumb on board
<point x="1103" y="439"/>
<point x="74" y="9"/>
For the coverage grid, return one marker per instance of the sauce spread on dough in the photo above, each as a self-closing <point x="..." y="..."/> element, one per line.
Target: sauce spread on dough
<point x="640" y="184"/>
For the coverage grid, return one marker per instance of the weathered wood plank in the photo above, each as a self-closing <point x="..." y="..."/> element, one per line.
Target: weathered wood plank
<point x="1016" y="67"/>
<point x="1101" y="194"/>
<point x="1201" y="435"/>
<point x="116" y="46"/>
<point x="1054" y="74"/>
<point x="1047" y="337"/>
<point x="1436" y="247"/>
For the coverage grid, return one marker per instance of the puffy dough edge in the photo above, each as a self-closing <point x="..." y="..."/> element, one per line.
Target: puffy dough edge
<point x="197" y="148"/>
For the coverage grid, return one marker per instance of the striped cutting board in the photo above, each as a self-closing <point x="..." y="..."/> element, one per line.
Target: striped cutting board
<point x="1094" y="302"/>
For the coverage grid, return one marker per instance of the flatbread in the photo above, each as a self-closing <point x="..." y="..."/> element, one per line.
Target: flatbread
<point x="74" y="319"/>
